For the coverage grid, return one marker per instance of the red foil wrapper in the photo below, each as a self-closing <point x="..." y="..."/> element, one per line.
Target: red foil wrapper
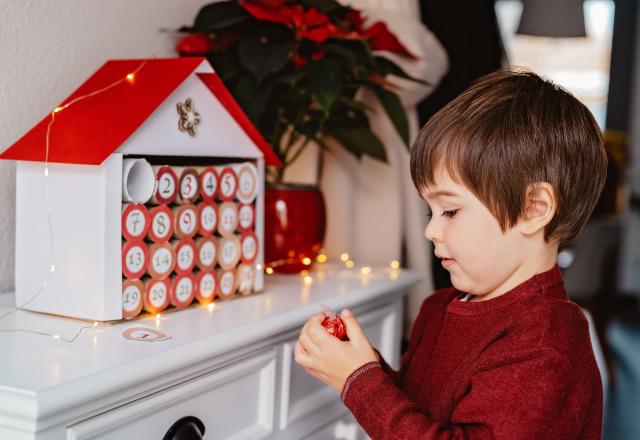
<point x="335" y="327"/>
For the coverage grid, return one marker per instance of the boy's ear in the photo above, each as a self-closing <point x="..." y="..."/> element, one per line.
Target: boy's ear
<point x="540" y="207"/>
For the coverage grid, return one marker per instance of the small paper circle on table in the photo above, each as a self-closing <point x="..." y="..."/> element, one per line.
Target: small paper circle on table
<point x="167" y="185"/>
<point x="207" y="252"/>
<point x="162" y="222"/>
<point x="248" y="183"/>
<point x="248" y="247"/>
<point x="246" y="274"/>
<point x="208" y="183"/>
<point x="227" y="283"/>
<point x="189" y="188"/>
<point x="185" y="220"/>
<point x="206" y="286"/>
<point x="228" y="252"/>
<point x="156" y="295"/>
<point x="132" y="298"/>
<point x="228" y="218"/>
<point x="246" y="217"/>
<point x="162" y="260"/>
<point x="228" y="184"/>
<point x="208" y="216"/>
<point x="135" y="259"/>
<point x="135" y="221"/>
<point x="183" y="290"/>
<point x="186" y="255"/>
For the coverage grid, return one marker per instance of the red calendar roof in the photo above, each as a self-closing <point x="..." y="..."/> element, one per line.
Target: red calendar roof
<point x="110" y="106"/>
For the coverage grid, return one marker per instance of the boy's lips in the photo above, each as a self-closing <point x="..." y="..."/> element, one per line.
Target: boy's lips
<point x="447" y="262"/>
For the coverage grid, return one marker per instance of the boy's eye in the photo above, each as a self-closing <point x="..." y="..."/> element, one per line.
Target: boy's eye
<point x="451" y="213"/>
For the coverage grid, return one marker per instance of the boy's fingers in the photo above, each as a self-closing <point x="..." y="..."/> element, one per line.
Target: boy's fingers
<point x="307" y="343"/>
<point x="354" y="331"/>
<point x="318" y="334"/>
<point x="300" y="356"/>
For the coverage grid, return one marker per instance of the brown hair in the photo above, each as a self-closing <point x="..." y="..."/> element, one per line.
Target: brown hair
<point x="510" y="130"/>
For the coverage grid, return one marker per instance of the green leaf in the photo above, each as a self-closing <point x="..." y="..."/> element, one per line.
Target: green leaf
<point x="361" y="141"/>
<point x="387" y="67"/>
<point x="342" y="51"/>
<point x="361" y="50"/>
<point x="218" y="16"/>
<point x="326" y="82"/>
<point x="260" y="56"/>
<point x="225" y="64"/>
<point x="292" y="78"/>
<point x="392" y="105"/>
<point x="251" y="97"/>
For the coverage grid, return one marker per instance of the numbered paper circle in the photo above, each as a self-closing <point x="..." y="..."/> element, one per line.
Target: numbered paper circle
<point x="187" y="222"/>
<point x="167" y="183"/>
<point x="189" y="185"/>
<point x="158" y="294"/>
<point x="208" y="183"/>
<point x="136" y="223"/>
<point x="161" y="225"/>
<point x="207" y="286"/>
<point x="246" y="276"/>
<point x="166" y="191"/>
<point x="132" y="298"/>
<point x="228" y="218"/>
<point x="229" y="253"/>
<point x="246" y="215"/>
<point x="249" y="247"/>
<point x="247" y="183"/>
<point x="207" y="254"/>
<point x="185" y="256"/>
<point x="184" y="289"/>
<point x="208" y="219"/>
<point x="135" y="260"/>
<point x="162" y="261"/>
<point x="227" y="283"/>
<point x="228" y="184"/>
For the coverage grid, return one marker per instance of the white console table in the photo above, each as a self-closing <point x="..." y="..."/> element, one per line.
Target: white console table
<point x="230" y="366"/>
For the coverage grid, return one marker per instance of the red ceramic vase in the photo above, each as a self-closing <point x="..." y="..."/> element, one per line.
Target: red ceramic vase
<point x="294" y="226"/>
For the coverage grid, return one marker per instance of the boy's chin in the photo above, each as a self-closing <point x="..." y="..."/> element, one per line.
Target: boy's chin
<point x="461" y="283"/>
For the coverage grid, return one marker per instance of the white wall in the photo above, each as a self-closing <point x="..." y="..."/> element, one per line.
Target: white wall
<point x="48" y="47"/>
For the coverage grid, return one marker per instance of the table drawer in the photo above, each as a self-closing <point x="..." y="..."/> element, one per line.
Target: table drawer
<point x="235" y="402"/>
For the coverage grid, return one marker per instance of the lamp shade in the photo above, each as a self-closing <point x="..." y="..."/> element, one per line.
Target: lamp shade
<point x="552" y="18"/>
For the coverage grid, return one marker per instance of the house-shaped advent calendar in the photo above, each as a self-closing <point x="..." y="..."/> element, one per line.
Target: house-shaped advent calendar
<point x="143" y="190"/>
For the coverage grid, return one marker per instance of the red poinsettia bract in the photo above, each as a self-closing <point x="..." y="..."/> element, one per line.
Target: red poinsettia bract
<point x="310" y="24"/>
<point x="195" y="44"/>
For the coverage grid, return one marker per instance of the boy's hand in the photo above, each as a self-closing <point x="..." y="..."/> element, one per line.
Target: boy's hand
<point x="326" y="357"/>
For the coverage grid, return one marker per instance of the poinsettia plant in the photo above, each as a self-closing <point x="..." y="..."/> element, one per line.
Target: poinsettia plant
<point x="295" y="67"/>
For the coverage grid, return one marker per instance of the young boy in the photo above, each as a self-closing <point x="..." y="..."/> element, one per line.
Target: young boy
<point x="511" y="170"/>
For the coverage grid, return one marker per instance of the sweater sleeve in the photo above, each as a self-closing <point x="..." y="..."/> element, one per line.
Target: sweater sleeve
<point x="522" y="396"/>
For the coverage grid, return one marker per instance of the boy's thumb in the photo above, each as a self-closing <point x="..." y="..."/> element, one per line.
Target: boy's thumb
<point x="354" y="331"/>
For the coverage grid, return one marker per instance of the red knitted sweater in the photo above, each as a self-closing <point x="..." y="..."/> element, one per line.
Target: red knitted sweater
<point x="519" y="366"/>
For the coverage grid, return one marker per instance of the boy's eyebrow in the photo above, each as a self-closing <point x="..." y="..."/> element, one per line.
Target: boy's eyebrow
<point x="435" y="194"/>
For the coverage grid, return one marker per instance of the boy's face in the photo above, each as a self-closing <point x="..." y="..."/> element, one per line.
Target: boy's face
<point x="467" y="237"/>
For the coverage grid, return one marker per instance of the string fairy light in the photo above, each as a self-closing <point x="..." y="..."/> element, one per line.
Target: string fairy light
<point x="271" y="267"/>
<point x="129" y="78"/>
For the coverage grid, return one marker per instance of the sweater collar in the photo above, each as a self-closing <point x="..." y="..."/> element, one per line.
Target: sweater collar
<point x="543" y="284"/>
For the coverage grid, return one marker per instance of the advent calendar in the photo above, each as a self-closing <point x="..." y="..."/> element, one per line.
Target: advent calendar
<point x="142" y="191"/>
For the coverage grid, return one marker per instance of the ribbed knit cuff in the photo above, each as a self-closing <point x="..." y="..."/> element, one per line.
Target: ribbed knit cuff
<point x="353" y="376"/>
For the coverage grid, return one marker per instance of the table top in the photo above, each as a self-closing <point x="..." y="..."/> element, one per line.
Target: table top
<point x="33" y="363"/>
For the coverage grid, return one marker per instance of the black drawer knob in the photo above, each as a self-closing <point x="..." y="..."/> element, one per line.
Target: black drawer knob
<point x="187" y="428"/>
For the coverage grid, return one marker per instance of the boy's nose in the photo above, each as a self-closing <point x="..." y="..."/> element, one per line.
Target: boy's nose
<point x="430" y="231"/>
